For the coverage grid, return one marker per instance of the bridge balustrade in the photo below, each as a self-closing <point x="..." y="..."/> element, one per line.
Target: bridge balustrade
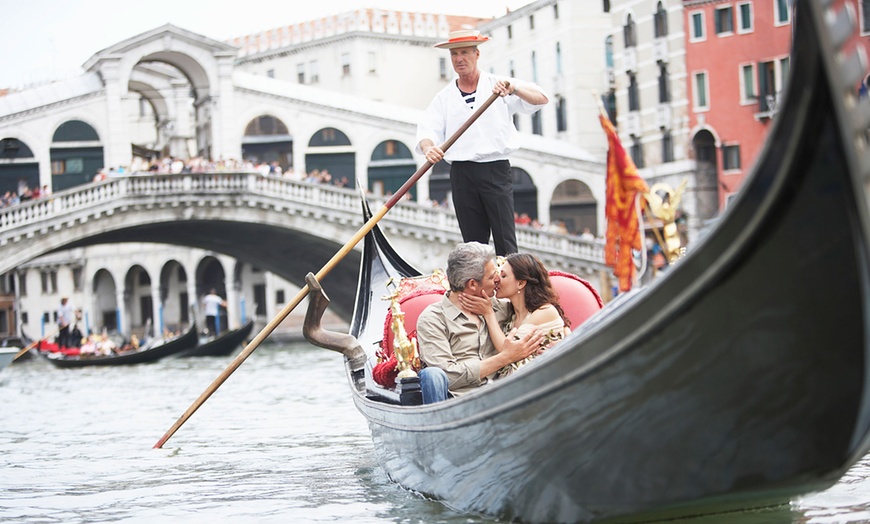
<point x="411" y="218"/>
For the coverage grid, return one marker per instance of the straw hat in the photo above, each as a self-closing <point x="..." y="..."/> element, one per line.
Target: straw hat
<point x="463" y="38"/>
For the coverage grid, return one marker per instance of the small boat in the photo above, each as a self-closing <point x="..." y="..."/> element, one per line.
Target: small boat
<point x="222" y="345"/>
<point x="151" y="351"/>
<point x="739" y="379"/>
<point x="7" y="354"/>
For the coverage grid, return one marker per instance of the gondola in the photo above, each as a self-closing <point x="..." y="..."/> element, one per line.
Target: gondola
<point x="739" y="379"/>
<point x="222" y="345"/>
<point x="7" y="354"/>
<point x="151" y="351"/>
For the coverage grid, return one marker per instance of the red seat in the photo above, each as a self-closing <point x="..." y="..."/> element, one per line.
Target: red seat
<point x="577" y="297"/>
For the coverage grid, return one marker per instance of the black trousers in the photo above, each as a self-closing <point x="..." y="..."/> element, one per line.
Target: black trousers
<point x="63" y="338"/>
<point x="483" y="197"/>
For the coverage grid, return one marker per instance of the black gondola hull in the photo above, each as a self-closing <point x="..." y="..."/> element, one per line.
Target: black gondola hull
<point x="148" y="354"/>
<point x="222" y="345"/>
<point x="739" y="379"/>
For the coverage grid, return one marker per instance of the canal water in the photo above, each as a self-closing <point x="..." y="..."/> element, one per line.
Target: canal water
<point x="280" y="441"/>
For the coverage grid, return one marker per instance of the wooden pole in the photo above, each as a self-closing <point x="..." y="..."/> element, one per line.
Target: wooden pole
<point x="363" y="231"/>
<point x="33" y="344"/>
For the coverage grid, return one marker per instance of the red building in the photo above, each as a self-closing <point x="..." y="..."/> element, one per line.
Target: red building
<point x="737" y="63"/>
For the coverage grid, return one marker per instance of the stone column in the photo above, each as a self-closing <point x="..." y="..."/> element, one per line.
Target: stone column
<point x="181" y="123"/>
<point x="157" y="307"/>
<point x="194" y="305"/>
<point x="118" y="150"/>
<point x="121" y="312"/>
<point x="224" y="143"/>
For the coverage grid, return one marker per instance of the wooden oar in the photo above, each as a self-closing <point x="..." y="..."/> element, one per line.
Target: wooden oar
<point x="33" y="344"/>
<point x="266" y="331"/>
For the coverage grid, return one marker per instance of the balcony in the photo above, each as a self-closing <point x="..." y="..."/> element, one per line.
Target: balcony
<point x="660" y="50"/>
<point x="632" y="123"/>
<point x="629" y="59"/>
<point x="663" y="116"/>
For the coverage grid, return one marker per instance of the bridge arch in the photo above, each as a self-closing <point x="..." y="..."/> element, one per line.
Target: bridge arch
<point x="17" y="163"/>
<point x="267" y="139"/>
<point x="390" y="165"/>
<point x="574" y="204"/>
<point x="525" y="192"/>
<point x="330" y="149"/>
<point x="76" y="153"/>
<point x="204" y="63"/>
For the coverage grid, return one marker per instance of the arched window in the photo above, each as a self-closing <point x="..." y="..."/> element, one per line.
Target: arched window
<point x="629" y="32"/>
<point x="660" y="21"/>
<point x="328" y="136"/>
<point x="75" y="131"/>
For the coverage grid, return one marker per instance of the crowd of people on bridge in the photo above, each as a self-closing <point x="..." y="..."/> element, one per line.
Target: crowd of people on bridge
<point x="24" y="194"/>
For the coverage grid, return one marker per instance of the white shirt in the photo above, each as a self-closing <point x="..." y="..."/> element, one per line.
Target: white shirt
<point x="212" y="305"/>
<point x="492" y="136"/>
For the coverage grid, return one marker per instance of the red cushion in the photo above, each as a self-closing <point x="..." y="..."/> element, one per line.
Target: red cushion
<point x="577" y="297"/>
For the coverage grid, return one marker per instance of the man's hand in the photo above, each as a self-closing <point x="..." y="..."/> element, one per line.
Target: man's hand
<point x="503" y="88"/>
<point x="516" y="350"/>
<point x="432" y="152"/>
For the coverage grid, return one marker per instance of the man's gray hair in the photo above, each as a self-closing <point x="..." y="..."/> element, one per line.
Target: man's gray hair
<point x="467" y="262"/>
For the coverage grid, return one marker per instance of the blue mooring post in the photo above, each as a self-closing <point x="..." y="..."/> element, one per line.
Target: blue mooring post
<point x="42" y="326"/>
<point x="87" y="325"/>
<point x="118" y="319"/>
<point x="242" y="305"/>
<point x="160" y="312"/>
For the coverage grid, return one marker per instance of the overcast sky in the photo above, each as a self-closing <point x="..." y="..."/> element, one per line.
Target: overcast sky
<point x="50" y="39"/>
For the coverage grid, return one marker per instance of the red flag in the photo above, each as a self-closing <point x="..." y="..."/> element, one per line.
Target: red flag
<point x="623" y="229"/>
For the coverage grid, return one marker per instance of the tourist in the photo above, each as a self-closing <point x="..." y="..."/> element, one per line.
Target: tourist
<point x="454" y="342"/>
<point x="525" y="283"/>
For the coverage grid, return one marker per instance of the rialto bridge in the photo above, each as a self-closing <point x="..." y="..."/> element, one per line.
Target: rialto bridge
<point x="277" y="224"/>
<point x="183" y="95"/>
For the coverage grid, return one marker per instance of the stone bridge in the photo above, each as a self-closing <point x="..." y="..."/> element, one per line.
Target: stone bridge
<point x="278" y="224"/>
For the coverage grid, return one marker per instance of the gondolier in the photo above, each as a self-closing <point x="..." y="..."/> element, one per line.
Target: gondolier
<point x="64" y="319"/>
<point x="480" y="173"/>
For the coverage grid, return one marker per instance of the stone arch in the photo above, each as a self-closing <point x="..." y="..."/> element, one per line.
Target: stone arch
<point x="210" y="274"/>
<point x="704" y="147"/>
<point x="267" y="139"/>
<point x="138" y="299"/>
<point x="174" y="297"/>
<point x="105" y="301"/>
<point x="203" y="63"/>
<point x="525" y="192"/>
<point x="338" y="161"/>
<point x="390" y="166"/>
<point x="573" y="203"/>
<point x="705" y="153"/>
<point x="76" y="154"/>
<point x="18" y="165"/>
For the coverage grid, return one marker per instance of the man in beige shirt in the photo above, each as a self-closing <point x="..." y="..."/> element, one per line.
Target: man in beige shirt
<point x="455" y="344"/>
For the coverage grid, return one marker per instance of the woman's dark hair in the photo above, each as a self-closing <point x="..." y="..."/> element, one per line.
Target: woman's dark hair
<point x="538" y="291"/>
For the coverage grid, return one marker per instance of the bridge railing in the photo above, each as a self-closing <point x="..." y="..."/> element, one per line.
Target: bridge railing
<point x="141" y="187"/>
